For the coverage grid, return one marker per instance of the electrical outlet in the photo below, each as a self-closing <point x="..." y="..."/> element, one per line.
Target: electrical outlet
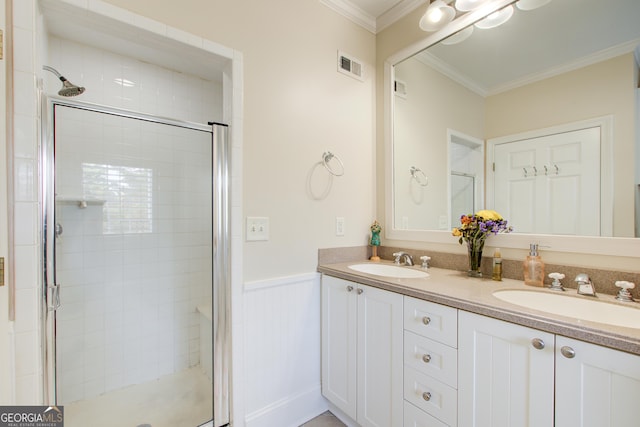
<point x="339" y="226"/>
<point x="257" y="228"/>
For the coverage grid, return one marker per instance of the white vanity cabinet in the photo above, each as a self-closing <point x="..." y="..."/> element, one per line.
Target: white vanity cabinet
<point x="505" y="374"/>
<point x="595" y="386"/>
<point x="430" y="364"/>
<point x="362" y="341"/>
<point x="513" y="375"/>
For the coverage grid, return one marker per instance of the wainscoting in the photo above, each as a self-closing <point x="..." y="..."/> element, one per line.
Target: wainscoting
<point x="282" y="351"/>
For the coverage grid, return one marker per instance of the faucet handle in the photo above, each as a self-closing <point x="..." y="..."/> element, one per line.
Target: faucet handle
<point x="624" y="294"/>
<point x="397" y="256"/>
<point x="425" y="261"/>
<point x="555" y="284"/>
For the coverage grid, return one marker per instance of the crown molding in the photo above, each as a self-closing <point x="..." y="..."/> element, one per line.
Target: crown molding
<point x="398" y="12"/>
<point x="354" y="13"/>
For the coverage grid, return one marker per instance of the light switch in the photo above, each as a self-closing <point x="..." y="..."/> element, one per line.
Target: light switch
<point x="257" y="228"/>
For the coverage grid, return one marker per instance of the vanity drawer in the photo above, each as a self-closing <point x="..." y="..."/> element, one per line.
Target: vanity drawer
<point x="430" y="320"/>
<point x="431" y="358"/>
<point x="430" y="395"/>
<point x="414" y="417"/>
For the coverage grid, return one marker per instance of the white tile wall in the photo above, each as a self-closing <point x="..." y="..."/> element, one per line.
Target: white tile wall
<point x="129" y="299"/>
<point x="124" y="82"/>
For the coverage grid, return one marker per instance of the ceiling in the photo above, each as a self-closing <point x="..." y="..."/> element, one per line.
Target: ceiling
<point x="374" y="15"/>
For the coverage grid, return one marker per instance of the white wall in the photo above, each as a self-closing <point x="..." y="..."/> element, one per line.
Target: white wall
<point x="296" y="106"/>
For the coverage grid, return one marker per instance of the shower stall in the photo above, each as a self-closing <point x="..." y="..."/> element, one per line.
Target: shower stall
<point x="136" y="267"/>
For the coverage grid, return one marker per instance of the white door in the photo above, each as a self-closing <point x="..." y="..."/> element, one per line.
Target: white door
<point x="339" y="326"/>
<point x="595" y="386"/>
<point x="550" y="184"/>
<point x="380" y="357"/>
<point x="505" y="374"/>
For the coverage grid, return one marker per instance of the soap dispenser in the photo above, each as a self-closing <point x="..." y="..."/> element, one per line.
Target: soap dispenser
<point x="533" y="267"/>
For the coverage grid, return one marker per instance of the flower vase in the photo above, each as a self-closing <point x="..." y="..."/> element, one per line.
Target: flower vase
<point x="475" y="257"/>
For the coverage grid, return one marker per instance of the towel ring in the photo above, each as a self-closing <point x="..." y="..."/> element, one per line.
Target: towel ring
<point x="327" y="156"/>
<point x="414" y="174"/>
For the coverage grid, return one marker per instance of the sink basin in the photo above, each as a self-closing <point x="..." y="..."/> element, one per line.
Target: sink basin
<point x="386" y="270"/>
<point x="576" y="307"/>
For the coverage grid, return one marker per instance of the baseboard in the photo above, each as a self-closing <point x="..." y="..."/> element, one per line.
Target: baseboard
<point x="291" y="411"/>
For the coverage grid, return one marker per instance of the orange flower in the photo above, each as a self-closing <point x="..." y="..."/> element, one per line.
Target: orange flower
<point x="465" y="220"/>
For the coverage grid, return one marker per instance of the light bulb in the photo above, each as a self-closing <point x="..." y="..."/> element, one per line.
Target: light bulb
<point x="435" y="15"/>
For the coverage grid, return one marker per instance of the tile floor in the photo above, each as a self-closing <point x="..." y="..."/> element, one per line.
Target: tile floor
<point x="326" y="419"/>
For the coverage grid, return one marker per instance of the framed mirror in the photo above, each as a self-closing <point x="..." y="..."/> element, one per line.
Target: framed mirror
<point x="489" y="121"/>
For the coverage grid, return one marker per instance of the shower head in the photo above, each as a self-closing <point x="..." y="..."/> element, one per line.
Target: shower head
<point x="68" y="88"/>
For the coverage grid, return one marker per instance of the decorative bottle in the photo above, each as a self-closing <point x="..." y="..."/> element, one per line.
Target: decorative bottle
<point x="497" y="265"/>
<point x="533" y="267"/>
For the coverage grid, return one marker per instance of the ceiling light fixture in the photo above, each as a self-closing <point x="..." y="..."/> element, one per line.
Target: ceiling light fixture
<point x="496" y="18"/>
<point x="531" y="4"/>
<point x="438" y="15"/>
<point x="459" y="36"/>
<point x="469" y="5"/>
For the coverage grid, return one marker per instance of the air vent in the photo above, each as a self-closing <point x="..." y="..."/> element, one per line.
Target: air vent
<point x="350" y="66"/>
<point x="400" y="89"/>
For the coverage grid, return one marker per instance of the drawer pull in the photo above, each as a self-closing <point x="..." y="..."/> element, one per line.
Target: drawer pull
<point x="426" y="358"/>
<point x="426" y="396"/>
<point x="349" y="288"/>
<point x="537" y="343"/>
<point x="568" y="352"/>
<point x="426" y="320"/>
<point x="360" y="291"/>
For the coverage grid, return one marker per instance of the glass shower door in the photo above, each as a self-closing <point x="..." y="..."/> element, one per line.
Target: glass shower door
<point x="133" y="261"/>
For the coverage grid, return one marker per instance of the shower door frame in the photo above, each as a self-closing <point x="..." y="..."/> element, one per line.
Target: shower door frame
<point x="221" y="254"/>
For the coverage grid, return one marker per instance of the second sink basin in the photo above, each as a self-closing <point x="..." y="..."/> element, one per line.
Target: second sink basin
<point x="576" y="307"/>
<point x="386" y="270"/>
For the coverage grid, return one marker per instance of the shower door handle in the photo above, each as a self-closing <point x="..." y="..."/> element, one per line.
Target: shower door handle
<point x="55" y="297"/>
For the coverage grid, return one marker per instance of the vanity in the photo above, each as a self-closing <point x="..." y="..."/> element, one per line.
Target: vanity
<point x="443" y="350"/>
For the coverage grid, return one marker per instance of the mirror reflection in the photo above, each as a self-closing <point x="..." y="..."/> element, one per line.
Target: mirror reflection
<point x="535" y="118"/>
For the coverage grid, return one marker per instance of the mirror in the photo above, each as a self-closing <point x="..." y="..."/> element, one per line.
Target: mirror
<point x="501" y="100"/>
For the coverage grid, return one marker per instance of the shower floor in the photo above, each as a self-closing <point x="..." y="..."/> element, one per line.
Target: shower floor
<point x="184" y="399"/>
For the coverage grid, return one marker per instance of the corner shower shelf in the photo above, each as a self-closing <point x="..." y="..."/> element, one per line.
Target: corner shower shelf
<point x="82" y="202"/>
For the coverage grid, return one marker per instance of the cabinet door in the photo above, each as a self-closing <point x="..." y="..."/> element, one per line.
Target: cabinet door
<point x="339" y="307"/>
<point x="379" y="358"/>
<point x="503" y="379"/>
<point x="595" y="386"/>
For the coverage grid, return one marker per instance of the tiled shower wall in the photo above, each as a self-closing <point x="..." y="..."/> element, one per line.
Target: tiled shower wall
<point x="123" y="82"/>
<point x="135" y="261"/>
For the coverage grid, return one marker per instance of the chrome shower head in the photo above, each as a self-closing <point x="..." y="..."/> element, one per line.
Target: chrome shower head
<point x="68" y="88"/>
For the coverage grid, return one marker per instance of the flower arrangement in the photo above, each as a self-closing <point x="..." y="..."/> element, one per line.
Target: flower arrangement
<point x="480" y="225"/>
<point x="474" y="230"/>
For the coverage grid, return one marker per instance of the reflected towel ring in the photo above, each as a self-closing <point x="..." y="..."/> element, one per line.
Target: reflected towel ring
<point x="327" y="156"/>
<point x="414" y="174"/>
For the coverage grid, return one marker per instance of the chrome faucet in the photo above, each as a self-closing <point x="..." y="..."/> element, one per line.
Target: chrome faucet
<point x="585" y="285"/>
<point x="408" y="260"/>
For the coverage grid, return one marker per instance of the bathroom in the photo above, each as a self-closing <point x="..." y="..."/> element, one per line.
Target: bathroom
<point x="287" y="106"/>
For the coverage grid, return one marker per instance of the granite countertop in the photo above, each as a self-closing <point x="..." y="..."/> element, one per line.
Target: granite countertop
<point x="455" y="289"/>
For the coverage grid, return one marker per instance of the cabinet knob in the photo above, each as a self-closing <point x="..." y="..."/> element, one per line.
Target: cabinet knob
<point x="426" y="320"/>
<point x="568" y="352"/>
<point x="426" y="358"/>
<point x="537" y="343"/>
<point x="360" y="291"/>
<point x="349" y="288"/>
<point x="426" y="396"/>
